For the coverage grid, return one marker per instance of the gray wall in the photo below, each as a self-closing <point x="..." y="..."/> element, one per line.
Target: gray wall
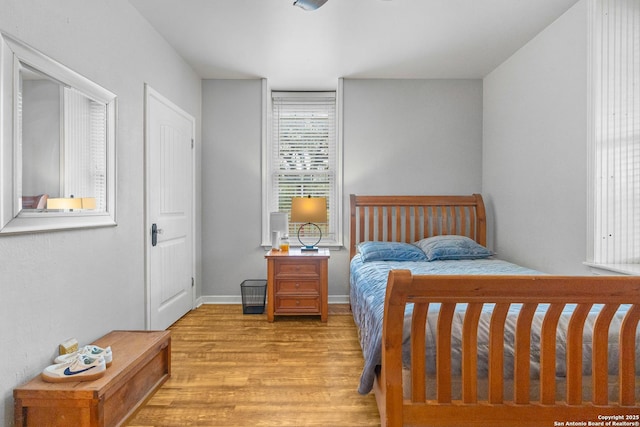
<point x="400" y="137"/>
<point x="84" y="283"/>
<point x="412" y="136"/>
<point x="535" y="148"/>
<point x="231" y="187"/>
<point x="41" y="138"/>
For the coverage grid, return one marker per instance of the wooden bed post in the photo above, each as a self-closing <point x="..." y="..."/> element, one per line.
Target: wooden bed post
<point x="481" y="215"/>
<point x="391" y="374"/>
<point x="352" y="230"/>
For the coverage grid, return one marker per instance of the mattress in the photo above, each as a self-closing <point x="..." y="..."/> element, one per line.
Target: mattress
<point x="367" y="294"/>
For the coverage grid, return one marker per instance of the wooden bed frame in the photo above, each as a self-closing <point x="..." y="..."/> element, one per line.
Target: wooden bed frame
<point x="410" y="218"/>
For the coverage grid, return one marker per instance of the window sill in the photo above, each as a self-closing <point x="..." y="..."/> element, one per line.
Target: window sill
<point x="330" y="246"/>
<point x="624" y="269"/>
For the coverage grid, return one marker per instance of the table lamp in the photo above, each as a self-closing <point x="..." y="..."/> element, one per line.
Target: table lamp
<point x="64" y="203"/>
<point x="279" y="226"/>
<point x="309" y="211"/>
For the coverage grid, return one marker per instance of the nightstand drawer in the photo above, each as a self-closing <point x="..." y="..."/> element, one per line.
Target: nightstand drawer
<point x="298" y="304"/>
<point x="298" y="287"/>
<point x="297" y="268"/>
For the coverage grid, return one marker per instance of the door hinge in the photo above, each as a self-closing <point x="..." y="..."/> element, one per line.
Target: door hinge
<point x="193" y="282"/>
<point x="192" y="143"/>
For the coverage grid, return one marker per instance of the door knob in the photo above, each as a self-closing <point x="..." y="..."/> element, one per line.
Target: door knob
<point x="154" y="234"/>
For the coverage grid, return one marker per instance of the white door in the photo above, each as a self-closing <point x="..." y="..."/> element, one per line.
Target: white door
<point x="170" y="213"/>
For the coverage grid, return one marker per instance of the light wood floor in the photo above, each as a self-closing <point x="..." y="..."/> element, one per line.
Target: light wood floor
<point x="230" y="369"/>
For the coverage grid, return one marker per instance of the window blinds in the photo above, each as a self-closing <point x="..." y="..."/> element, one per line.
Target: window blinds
<point x="616" y="131"/>
<point x="303" y="154"/>
<point x="85" y="142"/>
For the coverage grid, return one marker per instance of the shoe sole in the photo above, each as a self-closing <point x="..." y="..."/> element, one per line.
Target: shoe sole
<point x="72" y="378"/>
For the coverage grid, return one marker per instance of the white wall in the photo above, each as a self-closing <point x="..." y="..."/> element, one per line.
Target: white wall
<point x="400" y="137"/>
<point x="534" y="148"/>
<point x="84" y="283"/>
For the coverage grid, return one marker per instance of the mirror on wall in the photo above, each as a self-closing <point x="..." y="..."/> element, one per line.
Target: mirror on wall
<point x="57" y="155"/>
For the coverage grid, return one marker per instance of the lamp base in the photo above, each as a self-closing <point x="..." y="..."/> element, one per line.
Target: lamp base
<point x="313" y="247"/>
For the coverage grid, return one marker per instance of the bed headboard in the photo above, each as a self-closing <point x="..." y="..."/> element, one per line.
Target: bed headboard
<point x="411" y="218"/>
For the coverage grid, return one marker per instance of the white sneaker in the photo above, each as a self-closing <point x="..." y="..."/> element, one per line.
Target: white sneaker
<point x="89" y="350"/>
<point x="81" y="368"/>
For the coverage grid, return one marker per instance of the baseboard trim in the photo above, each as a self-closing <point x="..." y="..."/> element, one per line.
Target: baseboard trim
<point x="237" y="299"/>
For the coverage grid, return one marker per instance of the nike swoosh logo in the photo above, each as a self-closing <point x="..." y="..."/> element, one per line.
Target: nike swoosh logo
<point x="70" y="372"/>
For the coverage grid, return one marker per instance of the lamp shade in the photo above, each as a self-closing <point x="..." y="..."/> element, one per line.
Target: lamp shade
<point x="309" y="209"/>
<point x="88" y="203"/>
<point x="279" y="222"/>
<point x="64" y="203"/>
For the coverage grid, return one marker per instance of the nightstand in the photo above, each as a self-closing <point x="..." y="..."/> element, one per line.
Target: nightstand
<point x="297" y="283"/>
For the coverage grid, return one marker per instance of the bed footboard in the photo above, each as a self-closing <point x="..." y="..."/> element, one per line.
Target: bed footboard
<point x="498" y="408"/>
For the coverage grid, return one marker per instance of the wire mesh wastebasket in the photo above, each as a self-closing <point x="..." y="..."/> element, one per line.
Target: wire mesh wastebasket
<point x="254" y="294"/>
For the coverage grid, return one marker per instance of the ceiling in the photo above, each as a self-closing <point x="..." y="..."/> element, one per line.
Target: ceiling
<point x="297" y="49"/>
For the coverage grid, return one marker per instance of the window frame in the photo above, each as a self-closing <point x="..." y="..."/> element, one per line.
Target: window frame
<point x="269" y="204"/>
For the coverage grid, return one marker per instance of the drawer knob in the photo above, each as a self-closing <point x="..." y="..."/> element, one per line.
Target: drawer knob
<point x="297" y="302"/>
<point x="297" y="285"/>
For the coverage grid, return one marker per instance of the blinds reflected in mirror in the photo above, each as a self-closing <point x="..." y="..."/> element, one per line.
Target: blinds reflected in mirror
<point x="85" y="169"/>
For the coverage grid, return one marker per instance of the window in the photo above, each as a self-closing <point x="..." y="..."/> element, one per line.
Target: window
<point x="302" y="158"/>
<point x="615" y="133"/>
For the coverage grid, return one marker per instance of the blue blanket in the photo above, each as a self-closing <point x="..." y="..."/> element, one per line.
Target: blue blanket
<point x="368" y="282"/>
<point x="367" y="295"/>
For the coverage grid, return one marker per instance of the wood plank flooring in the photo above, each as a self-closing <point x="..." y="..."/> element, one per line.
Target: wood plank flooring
<point x="230" y="369"/>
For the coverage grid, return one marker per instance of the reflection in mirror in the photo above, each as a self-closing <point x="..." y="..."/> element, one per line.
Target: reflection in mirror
<point x="62" y="145"/>
<point x="57" y="164"/>
<point x="39" y="119"/>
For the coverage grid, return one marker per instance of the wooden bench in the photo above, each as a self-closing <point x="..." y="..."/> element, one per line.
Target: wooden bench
<point x="141" y="364"/>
